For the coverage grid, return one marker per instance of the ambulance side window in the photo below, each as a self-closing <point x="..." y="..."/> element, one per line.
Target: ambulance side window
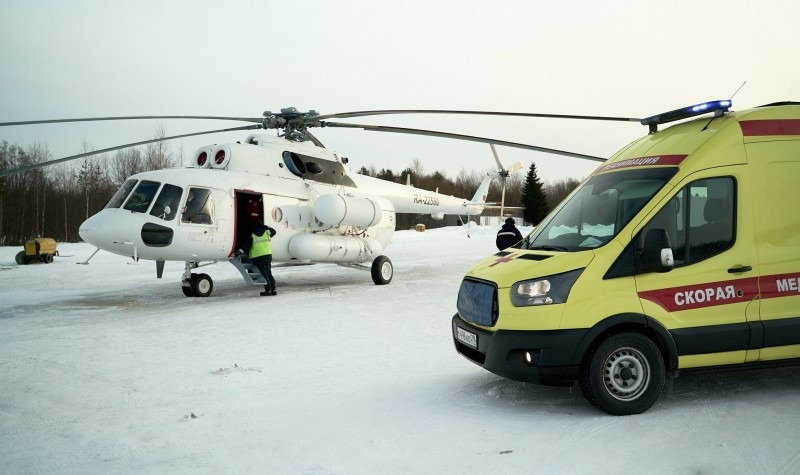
<point x="699" y="220"/>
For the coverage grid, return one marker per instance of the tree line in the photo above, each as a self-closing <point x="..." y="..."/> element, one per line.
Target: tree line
<point x="53" y="201"/>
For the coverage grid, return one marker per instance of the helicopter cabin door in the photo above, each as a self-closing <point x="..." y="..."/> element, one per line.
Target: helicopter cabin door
<point x="249" y="212"/>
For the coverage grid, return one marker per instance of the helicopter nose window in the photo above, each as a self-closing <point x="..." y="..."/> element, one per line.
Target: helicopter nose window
<point x="294" y="163"/>
<point x="166" y="205"/>
<point x="123" y="192"/>
<point x="199" y="207"/>
<point x="142" y="196"/>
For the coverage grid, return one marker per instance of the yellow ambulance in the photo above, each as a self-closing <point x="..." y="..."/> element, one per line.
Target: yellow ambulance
<point x="681" y="252"/>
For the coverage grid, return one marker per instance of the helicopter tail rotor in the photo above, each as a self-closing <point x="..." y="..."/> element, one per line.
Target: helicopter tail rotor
<point x="503" y="173"/>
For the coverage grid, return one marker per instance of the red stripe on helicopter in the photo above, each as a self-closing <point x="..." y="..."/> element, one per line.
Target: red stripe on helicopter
<point x="757" y="128"/>
<point x="703" y="295"/>
<point x="658" y="160"/>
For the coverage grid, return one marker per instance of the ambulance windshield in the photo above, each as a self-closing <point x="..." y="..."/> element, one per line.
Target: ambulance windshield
<point x="593" y="214"/>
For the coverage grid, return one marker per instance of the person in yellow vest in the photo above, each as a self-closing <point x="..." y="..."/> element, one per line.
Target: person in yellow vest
<point x="261" y="255"/>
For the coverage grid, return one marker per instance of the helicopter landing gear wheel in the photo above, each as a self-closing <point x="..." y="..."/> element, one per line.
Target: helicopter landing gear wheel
<point x="624" y="375"/>
<point x="201" y="285"/>
<point x="382" y="270"/>
<point x="187" y="291"/>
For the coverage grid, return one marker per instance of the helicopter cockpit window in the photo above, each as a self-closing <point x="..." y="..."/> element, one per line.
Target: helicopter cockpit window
<point x="294" y="163"/>
<point x="123" y="192"/>
<point x="142" y="196"/>
<point x="199" y="207"/>
<point x="166" y="205"/>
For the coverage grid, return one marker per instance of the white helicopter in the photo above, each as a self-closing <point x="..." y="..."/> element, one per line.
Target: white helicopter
<point x="323" y="212"/>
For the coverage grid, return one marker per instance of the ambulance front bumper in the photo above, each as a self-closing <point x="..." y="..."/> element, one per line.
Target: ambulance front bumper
<point x="543" y="357"/>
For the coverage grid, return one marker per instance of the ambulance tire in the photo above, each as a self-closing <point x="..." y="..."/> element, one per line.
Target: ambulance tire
<point x="202" y="285"/>
<point x="624" y="374"/>
<point x="382" y="270"/>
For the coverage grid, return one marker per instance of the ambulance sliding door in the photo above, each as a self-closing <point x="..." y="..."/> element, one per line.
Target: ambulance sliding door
<point x="776" y="175"/>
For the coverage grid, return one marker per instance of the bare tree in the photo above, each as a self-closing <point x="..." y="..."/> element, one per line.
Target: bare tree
<point x="467" y="183"/>
<point x="38" y="153"/>
<point x="558" y="190"/>
<point x="126" y="162"/>
<point x="157" y="155"/>
<point x="416" y="167"/>
<point x="89" y="175"/>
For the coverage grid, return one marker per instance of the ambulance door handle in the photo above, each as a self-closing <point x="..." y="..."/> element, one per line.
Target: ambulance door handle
<point x="736" y="270"/>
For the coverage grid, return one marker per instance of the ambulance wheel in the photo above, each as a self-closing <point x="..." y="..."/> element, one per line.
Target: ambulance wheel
<point x="623" y="375"/>
<point x="202" y="285"/>
<point x="20" y="258"/>
<point x="382" y="270"/>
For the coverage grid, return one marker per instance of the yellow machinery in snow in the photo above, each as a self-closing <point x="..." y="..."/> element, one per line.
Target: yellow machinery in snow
<point x="39" y="249"/>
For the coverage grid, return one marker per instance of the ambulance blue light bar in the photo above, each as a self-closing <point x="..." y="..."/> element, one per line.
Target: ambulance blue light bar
<point x="717" y="107"/>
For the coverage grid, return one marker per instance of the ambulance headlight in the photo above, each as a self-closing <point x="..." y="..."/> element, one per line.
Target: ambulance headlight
<point x="544" y="290"/>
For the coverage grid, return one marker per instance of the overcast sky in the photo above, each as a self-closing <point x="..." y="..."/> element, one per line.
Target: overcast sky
<point x="631" y="59"/>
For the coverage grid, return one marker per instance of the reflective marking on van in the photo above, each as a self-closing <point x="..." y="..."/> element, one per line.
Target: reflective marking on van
<point x="703" y="295"/>
<point x="757" y="128"/>
<point x="780" y="285"/>
<point x="662" y="160"/>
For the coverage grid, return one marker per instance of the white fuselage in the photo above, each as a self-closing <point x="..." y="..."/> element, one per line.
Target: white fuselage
<point x="322" y="212"/>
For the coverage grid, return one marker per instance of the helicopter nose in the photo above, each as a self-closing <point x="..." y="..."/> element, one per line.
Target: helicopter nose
<point x="100" y="231"/>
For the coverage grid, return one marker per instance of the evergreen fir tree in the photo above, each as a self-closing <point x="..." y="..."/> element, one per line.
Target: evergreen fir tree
<point x="533" y="198"/>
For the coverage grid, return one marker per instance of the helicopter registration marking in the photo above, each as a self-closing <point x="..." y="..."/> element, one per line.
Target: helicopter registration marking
<point x="426" y="200"/>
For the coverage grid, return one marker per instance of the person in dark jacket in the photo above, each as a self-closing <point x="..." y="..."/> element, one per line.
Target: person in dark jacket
<point x="508" y="235"/>
<point x="260" y="255"/>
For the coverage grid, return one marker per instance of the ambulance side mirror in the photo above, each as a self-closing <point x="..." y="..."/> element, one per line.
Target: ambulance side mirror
<point x="657" y="251"/>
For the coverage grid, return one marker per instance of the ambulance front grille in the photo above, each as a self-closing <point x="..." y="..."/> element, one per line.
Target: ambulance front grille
<point x="477" y="302"/>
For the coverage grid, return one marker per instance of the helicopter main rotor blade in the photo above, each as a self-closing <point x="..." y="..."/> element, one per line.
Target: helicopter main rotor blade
<point x="470" y="138"/>
<point x="344" y="115"/>
<point x="131" y="117"/>
<point x="119" y="147"/>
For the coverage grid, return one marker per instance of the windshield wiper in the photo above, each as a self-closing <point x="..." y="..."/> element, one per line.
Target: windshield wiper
<point x="546" y="247"/>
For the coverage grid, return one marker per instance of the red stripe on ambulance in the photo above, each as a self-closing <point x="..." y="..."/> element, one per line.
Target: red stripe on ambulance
<point x="780" y="285"/>
<point x="657" y="160"/>
<point x="757" y="128"/>
<point x="712" y="294"/>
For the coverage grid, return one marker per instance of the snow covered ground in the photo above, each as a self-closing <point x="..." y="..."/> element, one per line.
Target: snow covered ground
<point x="105" y="369"/>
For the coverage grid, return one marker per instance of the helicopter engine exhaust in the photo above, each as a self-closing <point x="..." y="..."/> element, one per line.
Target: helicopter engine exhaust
<point x="337" y="210"/>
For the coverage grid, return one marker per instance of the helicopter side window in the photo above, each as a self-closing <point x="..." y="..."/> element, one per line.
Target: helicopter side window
<point x="199" y="207"/>
<point x="166" y="205"/>
<point x="123" y="192"/>
<point x="142" y="196"/>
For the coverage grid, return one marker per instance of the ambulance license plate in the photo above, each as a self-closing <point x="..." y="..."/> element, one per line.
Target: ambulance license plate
<point x="468" y="338"/>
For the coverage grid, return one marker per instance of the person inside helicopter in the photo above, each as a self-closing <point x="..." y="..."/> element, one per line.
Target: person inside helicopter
<point x="199" y="207"/>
